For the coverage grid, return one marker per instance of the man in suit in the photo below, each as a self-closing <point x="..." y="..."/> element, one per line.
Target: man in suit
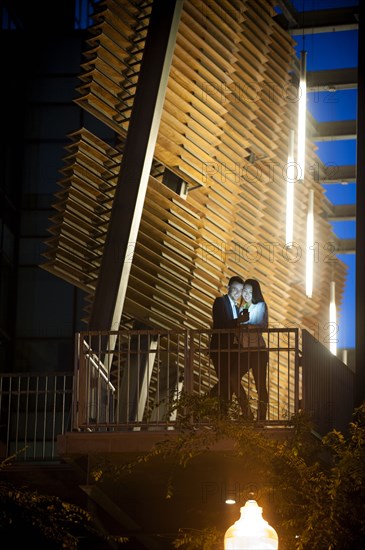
<point x="223" y="348"/>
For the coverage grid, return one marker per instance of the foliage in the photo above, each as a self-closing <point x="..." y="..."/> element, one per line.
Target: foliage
<point x="27" y="516"/>
<point x="207" y="539"/>
<point x="316" y="485"/>
<point x="339" y="508"/>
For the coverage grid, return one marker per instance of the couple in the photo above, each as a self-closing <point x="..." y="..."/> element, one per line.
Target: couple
<point x="233" y="356"/>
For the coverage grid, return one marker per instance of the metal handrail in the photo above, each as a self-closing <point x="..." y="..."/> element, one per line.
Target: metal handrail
<point x="180" y="356"/>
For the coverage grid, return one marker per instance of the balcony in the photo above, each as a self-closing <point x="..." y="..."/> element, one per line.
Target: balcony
<point x="126" y="388"/>
<point x="132" y="380"/>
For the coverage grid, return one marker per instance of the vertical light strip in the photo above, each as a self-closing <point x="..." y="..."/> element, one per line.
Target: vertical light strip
<point x="310" y="246"/>
<point x="302" y="115"/>
<point x="290" y="175"/>
<point x="333" y="319"/>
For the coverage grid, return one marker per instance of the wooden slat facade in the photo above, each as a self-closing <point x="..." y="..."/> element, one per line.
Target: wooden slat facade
<point x="224" y="131"/>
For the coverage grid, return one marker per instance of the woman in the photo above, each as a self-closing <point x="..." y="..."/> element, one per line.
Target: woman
<point x="253" y="353"/>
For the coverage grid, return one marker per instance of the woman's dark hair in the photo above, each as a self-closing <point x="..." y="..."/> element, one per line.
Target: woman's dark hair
<point x="256" y="291"/>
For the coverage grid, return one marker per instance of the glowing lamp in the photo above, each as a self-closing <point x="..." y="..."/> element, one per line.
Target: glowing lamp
<point x="251" y="531"/>
<point x="310" y="247"/>
<point x="333" y="317"/>
<point x="302" y="114"/>
<point x="290" y="177"/>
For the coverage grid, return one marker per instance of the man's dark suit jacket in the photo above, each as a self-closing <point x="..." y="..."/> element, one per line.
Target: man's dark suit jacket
<point x="222" y="318"/>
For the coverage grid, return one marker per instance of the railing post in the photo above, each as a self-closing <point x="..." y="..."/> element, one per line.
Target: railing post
<point x="296" y="373"/>
<point x="74" y="418"/>
<point x="79" y="404"/>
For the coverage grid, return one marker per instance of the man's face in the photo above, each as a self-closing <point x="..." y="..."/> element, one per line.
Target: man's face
<point x="235" y="291"/>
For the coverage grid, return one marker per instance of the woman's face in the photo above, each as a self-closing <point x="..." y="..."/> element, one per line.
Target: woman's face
<point x="247" y="293"/>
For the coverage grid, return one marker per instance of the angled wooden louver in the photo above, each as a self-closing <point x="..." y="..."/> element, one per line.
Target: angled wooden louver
<point x="110" y="72"/>
<point x="83" y="206"/>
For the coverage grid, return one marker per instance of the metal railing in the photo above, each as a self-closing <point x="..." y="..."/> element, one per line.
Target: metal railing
<point x="34" y="409"/>
<point x="134" y="378"/>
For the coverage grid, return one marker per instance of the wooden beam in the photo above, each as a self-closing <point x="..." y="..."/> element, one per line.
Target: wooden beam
<point x="135" y="168"/>
<point x="335" y="130"/>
